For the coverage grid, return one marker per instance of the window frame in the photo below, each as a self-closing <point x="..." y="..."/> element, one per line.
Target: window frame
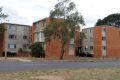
<point x="9" y="46"/>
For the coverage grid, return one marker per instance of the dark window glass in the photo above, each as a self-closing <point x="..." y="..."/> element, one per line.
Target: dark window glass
<point x="12" y="36"/>
<point x="91" y="47"/>
<point x="103" y="38"/>
<point x="25" y="37"/>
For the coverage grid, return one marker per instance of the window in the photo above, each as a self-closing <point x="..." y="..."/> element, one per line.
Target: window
<point x="43" y="24"/>
<point x="36" y="26"/>
<point x="12" y="36"/>
<point x="91" y="47"/>
<point x="91" y="39"/>
<point x="11" y="46"/>
<point x="103" y="38"/>
<point x="12" y="27"/>
<point x="25" y="46"/>
<point x="104" y="48"/>
<point x="104" y="29"/>
<point x="24" y="37"/>
<point x="90" y="30"/>
<point x="85" y="30"/>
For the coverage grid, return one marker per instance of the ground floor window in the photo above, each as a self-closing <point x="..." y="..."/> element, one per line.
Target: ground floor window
<point x="11" y="46"/>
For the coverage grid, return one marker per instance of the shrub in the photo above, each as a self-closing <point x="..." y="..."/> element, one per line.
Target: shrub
<point x="37" y="50"/>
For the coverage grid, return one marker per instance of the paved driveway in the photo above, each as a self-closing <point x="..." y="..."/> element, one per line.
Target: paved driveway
<point x="37" y="65"/>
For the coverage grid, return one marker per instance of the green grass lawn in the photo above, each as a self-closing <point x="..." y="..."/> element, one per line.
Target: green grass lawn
<point x="64" y="74"/>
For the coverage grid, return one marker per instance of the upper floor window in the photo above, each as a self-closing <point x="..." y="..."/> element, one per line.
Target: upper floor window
<point x="24" y="37"/>
<point x="104" y="29"/>
<point x="104" y="47"/>
<point x="90" y="30"/>
<point x="12" y="36"/>
<point x="91" y="39"/>
<point x="36" y="26"/>
<point x="85" y="30"/>
<point x="103" y="38"/>
<point x="12" y="27"/>
<point x="44" y="24"/>
<point x="91" y="47"/>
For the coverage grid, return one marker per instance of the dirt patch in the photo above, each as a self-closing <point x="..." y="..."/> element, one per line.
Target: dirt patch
<point x="46" y="78"/>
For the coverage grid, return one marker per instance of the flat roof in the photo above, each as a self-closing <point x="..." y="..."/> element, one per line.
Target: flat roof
<point x="16" y="24"/>
<point x="40" y="20"/>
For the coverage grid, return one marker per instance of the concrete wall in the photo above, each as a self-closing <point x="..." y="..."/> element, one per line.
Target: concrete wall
<point x="21" y="30"/>
<point x="88" y="40"/>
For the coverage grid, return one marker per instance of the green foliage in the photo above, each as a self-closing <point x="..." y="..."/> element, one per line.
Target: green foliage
<point x="64" y="19"/>
<point x="37" y="50"/>
<point x="81" y="37"/>
<point x="2" y="16"/>
<point x="2" y="28"/>
<point x="111" y="20"/>
<point x="80" y="41"/>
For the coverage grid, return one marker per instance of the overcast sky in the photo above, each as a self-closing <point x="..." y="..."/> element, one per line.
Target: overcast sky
<point x="29" y="11"/>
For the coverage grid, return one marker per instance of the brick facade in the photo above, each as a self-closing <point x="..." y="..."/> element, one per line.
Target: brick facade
<point x="97" y="41"/>
<point x="1" y="43"/>
<point x="112" y="42"/>
<point x="53" y="48"/>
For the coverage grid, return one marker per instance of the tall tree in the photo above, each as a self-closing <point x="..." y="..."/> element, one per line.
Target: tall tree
<point x="2" y="16"/>
<point x="110" y="20"/>
<point x="64" y="19"/>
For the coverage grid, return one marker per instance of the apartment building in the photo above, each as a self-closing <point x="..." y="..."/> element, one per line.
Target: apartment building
<point x="15" y="38"/>
<point x="102" y="41"/>
<point x="52" y="48"/>
<point x="88" y="41"/>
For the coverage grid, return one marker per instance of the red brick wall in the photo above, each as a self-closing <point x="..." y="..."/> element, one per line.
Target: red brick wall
<point x="97" y="41"/>
<point x="1" y="43"/>
<point x="113" y="42"/>
<point x="76" y="37"/>
<point x="53" y="49"/>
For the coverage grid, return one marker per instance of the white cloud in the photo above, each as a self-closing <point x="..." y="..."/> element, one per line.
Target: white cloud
<point x="14" y="17"/>
<point x="28" y="11"/>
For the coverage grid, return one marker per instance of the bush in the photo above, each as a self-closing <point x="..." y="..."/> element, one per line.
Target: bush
<point x="37" y="50"/>
<point x="86" y="54"/>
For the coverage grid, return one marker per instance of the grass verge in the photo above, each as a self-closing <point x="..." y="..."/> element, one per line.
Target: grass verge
<point x="64" y="74"/>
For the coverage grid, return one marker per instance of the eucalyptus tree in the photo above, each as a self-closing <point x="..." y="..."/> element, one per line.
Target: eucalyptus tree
<point x="64" y="19"/>
<point x="2" y="16"/>
<point x="110" y="20"/>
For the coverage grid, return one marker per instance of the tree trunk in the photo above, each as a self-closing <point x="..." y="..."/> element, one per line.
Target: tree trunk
<point x="62" y="51"/>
